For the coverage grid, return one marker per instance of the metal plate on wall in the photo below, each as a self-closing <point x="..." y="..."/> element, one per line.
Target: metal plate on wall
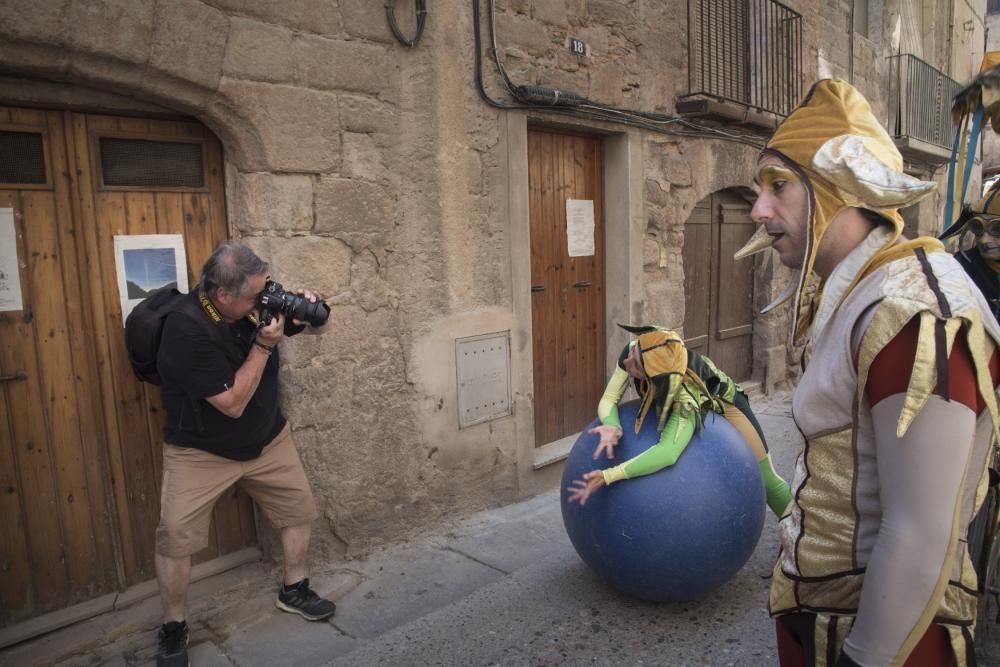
<point x="483" y="364"/>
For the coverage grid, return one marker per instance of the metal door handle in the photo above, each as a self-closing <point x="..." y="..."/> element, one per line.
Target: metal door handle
<point x="538" y="288"/>
<point x="20" y="375"/>
<point x="582" y="283"/>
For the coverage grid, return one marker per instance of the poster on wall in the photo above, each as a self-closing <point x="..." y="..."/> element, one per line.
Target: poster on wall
<point x="580" y="227"/>
<point x="146" y="263"/>
<point x="10" y="273"/>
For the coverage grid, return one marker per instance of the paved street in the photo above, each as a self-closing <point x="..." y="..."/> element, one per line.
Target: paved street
<point x="503" y="587"/>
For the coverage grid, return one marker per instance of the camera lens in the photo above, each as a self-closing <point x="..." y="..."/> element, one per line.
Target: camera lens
<point x="304" y="310"/>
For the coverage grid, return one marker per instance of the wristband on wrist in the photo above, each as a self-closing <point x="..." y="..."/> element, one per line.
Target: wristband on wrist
<point x="266" y="348"/>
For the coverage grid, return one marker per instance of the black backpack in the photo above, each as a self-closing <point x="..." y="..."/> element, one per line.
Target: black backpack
<point x="144" y="326"/>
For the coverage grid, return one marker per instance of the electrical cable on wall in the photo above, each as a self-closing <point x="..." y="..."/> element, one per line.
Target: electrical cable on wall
<point x="420" y="7"/>
<point x="569" y="103"/>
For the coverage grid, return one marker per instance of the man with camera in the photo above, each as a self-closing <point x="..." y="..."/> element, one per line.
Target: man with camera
<point x="223" y="427"/>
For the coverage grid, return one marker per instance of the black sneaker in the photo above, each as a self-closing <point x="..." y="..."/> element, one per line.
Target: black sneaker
<point x="173" y="645"/>
<point x="303" y="601"/>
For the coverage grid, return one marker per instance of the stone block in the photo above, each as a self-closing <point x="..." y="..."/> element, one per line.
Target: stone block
<point x="359" y="212"/>
<point x="552" y="12"/>
<point x="556" y="78"/>
<point x="44" y="23"/>
<point x="365" y="19"/>
<point x="361" y="113"/>
<point x="102" y="73"/>
<point x="299" y="129"/>
<point x="268" y="642"/>
<point x="318" y="16"/>
<point x="318" y="263"/>
<point x="520" y="6"/>
<point x="606" y="82"/>
<point x="259" y="51"/>
<point x="657" y="192"/>
<point x="363" y="158"/>
<point x="650" y="253"/>
<point x="414" y="584"/>
<point x="207" y="654"/>
<point x="27" y="59"/>
<point x="595" y="37"/>
<point x="263" y="202"/>
<point x="132" y="32"/>
<point x="569" y="61"/>
<point x="328" y="382"/>
<point x="330" y="64"/>
<point x="510" y="544"/>
<point x="676" y="169"/>
<point x="369" y="287"/>
<point x="531" y="36"/>
<point x="189" y="41"/>
<point x="611" y="13"/>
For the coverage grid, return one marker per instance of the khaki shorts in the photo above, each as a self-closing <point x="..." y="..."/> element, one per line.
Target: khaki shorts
<point x="193" y="480"/>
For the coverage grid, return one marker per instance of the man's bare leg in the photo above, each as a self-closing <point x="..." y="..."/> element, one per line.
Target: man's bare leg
<point x="174" y="576"/>
<point x="295" y="547"/>
<point x="300" y="600"/>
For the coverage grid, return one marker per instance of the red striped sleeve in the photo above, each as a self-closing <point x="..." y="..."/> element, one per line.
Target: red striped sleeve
<point x="890" y="371"/>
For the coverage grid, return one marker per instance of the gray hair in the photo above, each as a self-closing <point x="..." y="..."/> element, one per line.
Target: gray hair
<point x="230" y="267"/>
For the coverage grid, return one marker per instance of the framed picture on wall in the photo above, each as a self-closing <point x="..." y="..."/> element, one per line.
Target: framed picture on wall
<point x="146" y="263"/>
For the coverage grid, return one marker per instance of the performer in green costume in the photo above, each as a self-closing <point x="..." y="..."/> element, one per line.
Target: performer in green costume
<point x="681" y="386"/>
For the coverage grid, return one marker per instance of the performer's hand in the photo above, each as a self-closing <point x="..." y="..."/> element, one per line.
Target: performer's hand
<point x="609" y="438"/>
<point x="580" y="490"/>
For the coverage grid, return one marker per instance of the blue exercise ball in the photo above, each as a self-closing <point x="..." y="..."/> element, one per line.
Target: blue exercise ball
<point x="678" y="533"/>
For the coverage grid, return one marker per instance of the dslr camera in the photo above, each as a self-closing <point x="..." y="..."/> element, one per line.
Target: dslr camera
<point x="274" y="299"/>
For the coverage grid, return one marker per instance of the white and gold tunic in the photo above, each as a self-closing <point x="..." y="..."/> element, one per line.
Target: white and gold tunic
<point x="835" y="532"/>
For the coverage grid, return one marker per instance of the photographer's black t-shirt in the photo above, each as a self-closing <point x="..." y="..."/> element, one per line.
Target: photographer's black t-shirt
<point x="194" y="364"/>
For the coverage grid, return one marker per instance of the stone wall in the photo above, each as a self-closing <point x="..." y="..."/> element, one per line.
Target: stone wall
<point x="377" y="175"/>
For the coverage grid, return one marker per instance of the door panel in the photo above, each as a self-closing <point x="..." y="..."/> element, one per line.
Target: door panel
<point x="718" y="291"/>
<point x="698" y="279"/>
<point x="567" y="292"/>
<point x="733" y="344"/>
<point x="57" y="529"/>
<point x="80" y="437"/>
<point x="199" y="214"/>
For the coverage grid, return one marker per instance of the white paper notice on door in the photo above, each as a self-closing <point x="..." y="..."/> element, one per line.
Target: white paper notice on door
<point x="580" y="227"/>
<point x="10" y="273"/>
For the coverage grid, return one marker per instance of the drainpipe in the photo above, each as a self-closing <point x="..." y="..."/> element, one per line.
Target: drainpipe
<point x="850" y="42"/>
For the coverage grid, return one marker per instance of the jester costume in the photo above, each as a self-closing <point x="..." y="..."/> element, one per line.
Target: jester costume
<point x="896" y="404"/>
<point x="979" y="254"/>
<point x="681" y="387"/>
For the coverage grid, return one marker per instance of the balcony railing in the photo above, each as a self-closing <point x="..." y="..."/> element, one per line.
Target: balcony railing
<point x="746" y="51"/>
<point x="920" y="102"/>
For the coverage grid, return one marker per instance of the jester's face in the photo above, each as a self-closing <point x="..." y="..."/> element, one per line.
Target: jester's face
<point x="633" y="364"/>
<point x="986" y="230"/>
<point x="782" y="206"/>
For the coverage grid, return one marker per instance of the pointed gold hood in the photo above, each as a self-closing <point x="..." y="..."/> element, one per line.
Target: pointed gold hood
<point x="847" y="159"/>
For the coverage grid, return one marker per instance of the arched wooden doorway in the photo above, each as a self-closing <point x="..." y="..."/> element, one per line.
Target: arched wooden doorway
<point x="718" y="292"/>
<point x="80" y="443"/>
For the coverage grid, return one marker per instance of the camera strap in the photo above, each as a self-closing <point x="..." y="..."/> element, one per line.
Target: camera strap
<point x="218" y="330"/>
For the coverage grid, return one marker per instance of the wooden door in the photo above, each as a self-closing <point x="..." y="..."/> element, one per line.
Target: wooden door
<point x="57" y="544"/>
<point x="80" y="437"/>
<point x="567" y="293"/>
<point x="718" y="292"/>
<point x="139" y="176"/>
